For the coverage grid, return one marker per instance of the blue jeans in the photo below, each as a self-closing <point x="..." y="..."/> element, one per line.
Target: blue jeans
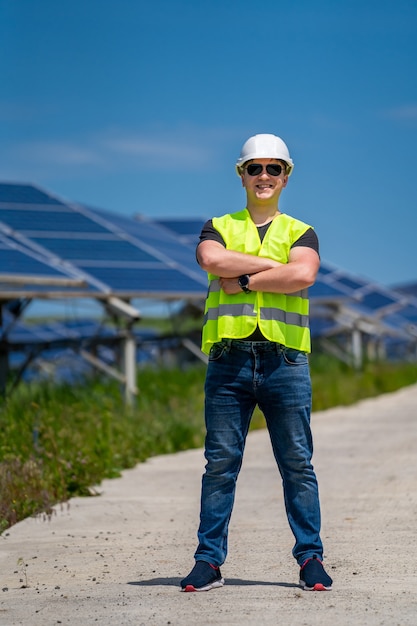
<point x="241" y="375"/>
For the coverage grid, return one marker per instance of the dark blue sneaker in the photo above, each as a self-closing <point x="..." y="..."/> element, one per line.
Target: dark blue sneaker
<point x="313" y="576"/>
<point x="202" y="577"/>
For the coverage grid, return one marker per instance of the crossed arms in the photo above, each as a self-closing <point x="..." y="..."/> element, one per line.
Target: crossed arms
<point x="265" y="274"/>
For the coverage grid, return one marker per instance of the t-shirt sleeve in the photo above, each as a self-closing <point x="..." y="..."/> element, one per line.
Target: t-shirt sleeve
<point x="209" y="233"/>
<point x="308" y="240"/>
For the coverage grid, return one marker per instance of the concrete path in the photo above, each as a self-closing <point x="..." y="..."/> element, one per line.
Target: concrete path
<point x="118" y="558"/>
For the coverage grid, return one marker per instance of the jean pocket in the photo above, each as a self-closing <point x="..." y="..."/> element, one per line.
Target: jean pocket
<point x="216" y="351"/>
<point x="295" y="357"/>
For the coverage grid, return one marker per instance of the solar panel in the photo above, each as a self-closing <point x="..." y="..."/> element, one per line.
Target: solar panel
<point x="183" y="226"/>
<point x="19" y="333"/>
<point x="322" y="290"/>
<point x="409" y="311"/>
<point x="375" y="300"/>
<point x="409" y="289"/>
<point x="187" y="230"/>
<point x="24" y="194"/>
<point x="24" y="270"/>
<point x="115" y="255"/>
<point x="48" y="219"/>
<point x="51" y="348"/>
<point x="325" y="269"/>
<point x="363" y="295"/>
<point x="18" y="260"/>
<point x="349" y="282"/>
<point x="77" y="249"/>
<point x="159" y="241"/>
<point x="321" y="326"/>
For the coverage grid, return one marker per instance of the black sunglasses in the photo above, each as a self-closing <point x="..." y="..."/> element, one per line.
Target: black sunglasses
<point x="273" y="169"/>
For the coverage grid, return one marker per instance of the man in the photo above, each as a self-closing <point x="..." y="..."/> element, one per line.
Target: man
<point x="260" y="263"/>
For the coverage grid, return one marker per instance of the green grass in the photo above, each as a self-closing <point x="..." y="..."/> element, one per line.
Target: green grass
<point x="60" y="441"/>
<point x="336" y="384"/>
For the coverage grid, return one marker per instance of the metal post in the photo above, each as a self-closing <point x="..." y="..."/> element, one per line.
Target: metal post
<point x="357" y="348"/>
<point x="129" y="367"/>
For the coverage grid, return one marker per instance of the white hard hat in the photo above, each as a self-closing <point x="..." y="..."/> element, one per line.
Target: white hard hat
<point x="264" y="147"/>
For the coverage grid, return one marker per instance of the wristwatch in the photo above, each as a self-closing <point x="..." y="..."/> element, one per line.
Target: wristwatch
<point x="244" y="283"/>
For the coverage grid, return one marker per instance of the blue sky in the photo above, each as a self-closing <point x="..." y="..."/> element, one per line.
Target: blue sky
<point x="142" y="107"/>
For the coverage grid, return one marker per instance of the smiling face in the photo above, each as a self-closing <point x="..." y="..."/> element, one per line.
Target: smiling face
<point x="263" y="187"/>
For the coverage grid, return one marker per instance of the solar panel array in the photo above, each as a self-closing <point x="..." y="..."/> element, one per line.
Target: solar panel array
<point x="366" y="300"/>
<point x="56" y="349"/>
<point x="44" y="236"/>
<point x="112" y="254"/>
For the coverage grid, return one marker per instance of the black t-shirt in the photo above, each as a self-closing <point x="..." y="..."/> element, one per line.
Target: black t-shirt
<point x="309" y="239"/>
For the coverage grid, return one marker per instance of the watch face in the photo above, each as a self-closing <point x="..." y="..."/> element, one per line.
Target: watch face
<point x="244" y="280"/>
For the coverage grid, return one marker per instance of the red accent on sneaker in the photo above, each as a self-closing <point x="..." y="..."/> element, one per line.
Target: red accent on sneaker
<point x="310" y="559"/>
<point x="319" y="587"/>
<point x="189" y="588"/>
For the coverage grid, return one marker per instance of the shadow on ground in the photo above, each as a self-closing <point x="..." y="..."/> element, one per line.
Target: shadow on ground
<point x="175" y="582"/>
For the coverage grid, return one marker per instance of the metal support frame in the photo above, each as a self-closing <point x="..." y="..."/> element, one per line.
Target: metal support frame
<point x="126" y="339"/>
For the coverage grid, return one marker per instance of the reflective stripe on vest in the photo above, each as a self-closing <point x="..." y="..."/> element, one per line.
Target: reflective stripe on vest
<point x="267" y="314"/>
<point x="282" y="318"/>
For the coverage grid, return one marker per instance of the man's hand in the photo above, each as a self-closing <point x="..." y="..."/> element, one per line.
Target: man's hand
<point x="230" y="285"/>
<point x="299" y="273"/>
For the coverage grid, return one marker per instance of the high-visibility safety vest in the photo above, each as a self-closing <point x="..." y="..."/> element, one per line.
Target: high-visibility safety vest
<point x="282" y="318"/>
